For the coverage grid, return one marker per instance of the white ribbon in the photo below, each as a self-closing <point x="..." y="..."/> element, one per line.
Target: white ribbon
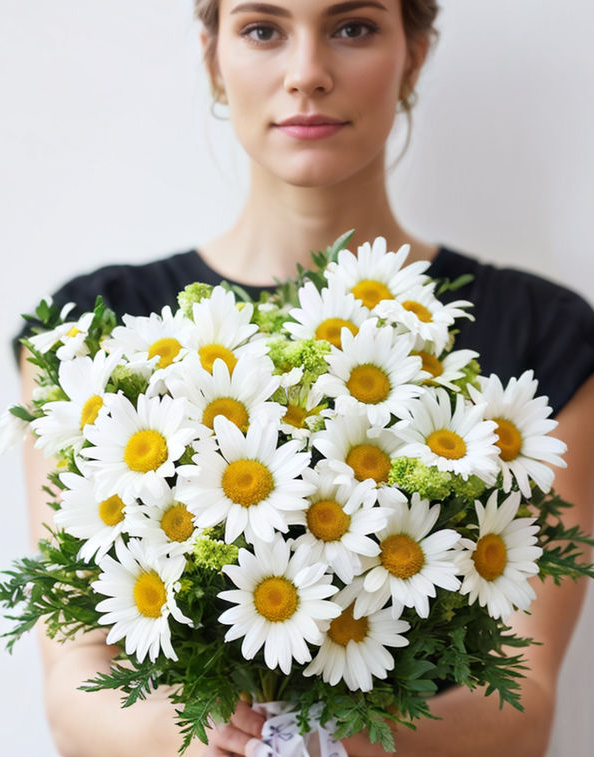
<point x="281" y="737"/>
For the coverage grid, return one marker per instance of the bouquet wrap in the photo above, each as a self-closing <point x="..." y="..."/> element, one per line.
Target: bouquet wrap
<point x="283" y="737"/>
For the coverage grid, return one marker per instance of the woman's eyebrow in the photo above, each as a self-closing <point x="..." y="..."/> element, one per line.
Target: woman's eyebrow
<point x="333" y="10"/>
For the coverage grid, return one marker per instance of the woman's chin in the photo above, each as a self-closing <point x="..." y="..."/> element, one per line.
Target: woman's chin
<point x="315" y="172"/>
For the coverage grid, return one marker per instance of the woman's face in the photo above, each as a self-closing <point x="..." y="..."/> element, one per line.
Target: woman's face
<point x="347" y="62"/>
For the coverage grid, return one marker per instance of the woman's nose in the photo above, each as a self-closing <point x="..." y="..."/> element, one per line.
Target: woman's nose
<point x="308" y="70"/>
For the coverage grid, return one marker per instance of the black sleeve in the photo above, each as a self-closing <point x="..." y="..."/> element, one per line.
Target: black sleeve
<point x="134" y="289"/>
<point x="523" y="322"/>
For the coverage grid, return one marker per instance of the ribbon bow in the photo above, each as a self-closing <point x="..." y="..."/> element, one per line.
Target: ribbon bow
<point x="281" y="736"/>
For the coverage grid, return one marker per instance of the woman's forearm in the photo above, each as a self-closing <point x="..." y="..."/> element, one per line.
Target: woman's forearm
<point x="472" y="724"/>
<point x="87" y="724"/>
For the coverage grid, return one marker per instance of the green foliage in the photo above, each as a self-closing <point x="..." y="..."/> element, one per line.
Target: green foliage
<point x="22" y="413"/>
<point x="471" y="373"/>
<point x="566" y="549"/>
<point x="269" y="318"/>
<point x="307" y="354"/>
<point x="135" y="680"/>
<point x="53" y="586"/>
<point x="192" y="294"/>
<point x="212" y="554"/>
<point x="125" y="380"/>
<point x="447" y="285"/>
<point x="103" y="323"/>
<point x="239" y="292"/>
<point x="411" y="475"/>
<point x="287" y="291"/>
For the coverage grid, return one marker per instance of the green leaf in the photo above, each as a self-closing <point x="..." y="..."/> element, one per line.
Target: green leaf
<point x="22" y="413"/>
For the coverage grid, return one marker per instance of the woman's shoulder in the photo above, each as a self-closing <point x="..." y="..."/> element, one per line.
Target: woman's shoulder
<point x="523" y="321"/>
<point x="137" y="289"/>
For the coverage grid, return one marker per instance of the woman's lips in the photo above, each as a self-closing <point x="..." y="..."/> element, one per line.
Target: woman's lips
<point x="310" y="131"/>
<point x="309" y="126"/>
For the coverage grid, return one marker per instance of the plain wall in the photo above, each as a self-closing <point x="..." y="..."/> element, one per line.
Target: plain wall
<point x="108" y="153"/>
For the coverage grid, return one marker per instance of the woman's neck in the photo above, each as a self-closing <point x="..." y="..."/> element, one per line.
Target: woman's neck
<point x="281" y="223"/>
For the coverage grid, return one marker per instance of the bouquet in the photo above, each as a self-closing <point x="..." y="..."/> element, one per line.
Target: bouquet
<point x="313" y="501"/>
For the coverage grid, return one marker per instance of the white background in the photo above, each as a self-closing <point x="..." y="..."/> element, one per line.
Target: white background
<point x="108" y="154"/>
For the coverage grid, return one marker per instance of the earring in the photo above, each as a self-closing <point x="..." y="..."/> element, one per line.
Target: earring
<point x="221" y="115"/>
<point x="408" y="102"/>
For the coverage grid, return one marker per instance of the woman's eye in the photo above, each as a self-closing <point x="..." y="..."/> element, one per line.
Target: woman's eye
<point x="357" y="30"/>
<point x="259" y="33"/>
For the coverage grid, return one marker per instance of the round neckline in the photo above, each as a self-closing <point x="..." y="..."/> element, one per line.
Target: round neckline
<point x="254" y="289"/>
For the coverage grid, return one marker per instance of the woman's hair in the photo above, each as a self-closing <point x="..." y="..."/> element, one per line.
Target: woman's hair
<point x="418" y="17"/>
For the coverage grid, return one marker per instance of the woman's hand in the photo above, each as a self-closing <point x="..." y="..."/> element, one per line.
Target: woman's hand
<point x="240" y="736"/>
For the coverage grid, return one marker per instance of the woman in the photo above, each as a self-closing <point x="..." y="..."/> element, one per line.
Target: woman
<point x="313" y="88"/>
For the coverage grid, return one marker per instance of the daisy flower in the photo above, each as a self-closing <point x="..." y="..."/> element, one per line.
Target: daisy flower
<point x="242" y="396"/>
<point x="281" y="603"/>
<point x="419" y="311"/>
<point x="250" y="484"/>
<point x="222" y="329"/>
<point x="373" y="374"/>
<point x="461" y="442"/>
<point x="323" y="315"/>
<point x="134" y="449"/>
<point x="13" y="431"/>
<point x="338" y="522"/>
<point x="496" y="569"/>
<point x="354" y="649"/>
<point x="141" y="596"/>
<point x="83" y="381"/>
<point x="373" y="274"/>
<point x="303" y="407"/>
<point x="161" y="337"/>
<point x="70" y="335"/>
<point x="411" y="562"/>
<point x="86" y="516"/>
<point x="163" y="522"/>
<point x="356" y="450"/>
<point x="444" y="370"/>
<point x="522" y="426"/>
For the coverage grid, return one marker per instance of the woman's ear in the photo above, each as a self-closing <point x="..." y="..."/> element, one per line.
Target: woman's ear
<point x="210" y="61"/>
<point x="418" y="49"/>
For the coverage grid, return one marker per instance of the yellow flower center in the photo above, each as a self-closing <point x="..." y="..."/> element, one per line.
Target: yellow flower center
<point x="401" y="556"/>
<point x="327" y="520"/>
<point x="111" y="511"/>
<point x="331" y="328"/>
<point x="510" y="439"/>
<point x="371" y="292"/>
<point x="177" y="523"/>
<point x="490" y="556"/>
<point x="345" y="628"/>
<point x="276" y="599"/>
<point x="90" y="410"/>
<point x="210" y="352"/>
<point x="232" y="409"/>
<point x="247" y="482"/>
<point x="167" y="349"/>
<point x="145" y="451"/>
<point x="422" y="313"/>
<point x="446" y="443"/>
<point x="368" y="461"/>
<point x="369" y="384"/>
<point x="73" y="331"/>
<point x="295" y="415"/>
<point x="149" y="594"/>
<point x="430" y="364"/>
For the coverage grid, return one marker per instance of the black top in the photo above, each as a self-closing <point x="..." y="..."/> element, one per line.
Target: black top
<point x="522" y="321"/>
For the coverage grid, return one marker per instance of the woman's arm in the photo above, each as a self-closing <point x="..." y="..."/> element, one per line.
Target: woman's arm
<point x="87" y="724"/>
<point x="473" y="724"/>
